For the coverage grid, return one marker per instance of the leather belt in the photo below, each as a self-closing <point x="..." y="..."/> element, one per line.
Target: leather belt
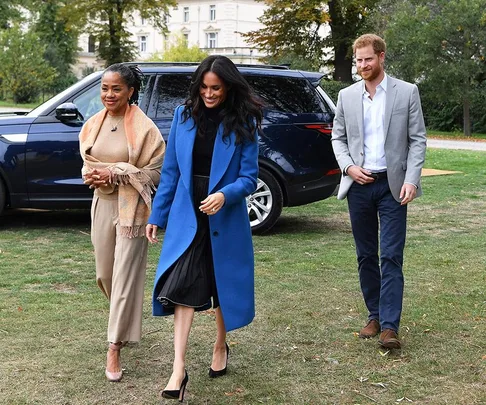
<point x="379" y="175"/>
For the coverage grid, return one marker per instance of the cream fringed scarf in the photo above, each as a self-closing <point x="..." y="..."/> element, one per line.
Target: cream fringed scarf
<point x="145" y="153"/>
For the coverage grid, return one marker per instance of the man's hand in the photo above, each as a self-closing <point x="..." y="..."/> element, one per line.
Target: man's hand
<point x="407" y="193"/>
<point x="360" y="175"/>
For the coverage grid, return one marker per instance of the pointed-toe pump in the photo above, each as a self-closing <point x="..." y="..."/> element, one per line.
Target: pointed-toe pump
<point x="114" y="376"/>
<point x="177" y="394"/>
<point x="219" y="373"/>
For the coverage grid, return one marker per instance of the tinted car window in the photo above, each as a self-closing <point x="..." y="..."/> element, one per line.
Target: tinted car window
<point x="89" y="103"/>
<point x="286" y="94"/>
<point x="173" y="91"/>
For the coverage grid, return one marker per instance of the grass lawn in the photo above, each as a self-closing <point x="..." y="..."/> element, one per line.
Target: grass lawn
<point x="302" y="347"/>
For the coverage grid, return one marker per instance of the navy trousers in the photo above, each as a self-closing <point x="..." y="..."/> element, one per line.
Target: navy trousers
<point x="376" y="215"/>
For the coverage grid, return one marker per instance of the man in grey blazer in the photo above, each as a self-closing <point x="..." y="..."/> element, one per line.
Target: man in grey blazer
<point x="379" y="141"/>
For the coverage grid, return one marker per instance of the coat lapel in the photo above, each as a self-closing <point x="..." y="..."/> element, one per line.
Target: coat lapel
<point x="390" y="101"/>
<point x="222" y="154"/>
<point x="359" y="112"/>
<point x="184" y="146"/>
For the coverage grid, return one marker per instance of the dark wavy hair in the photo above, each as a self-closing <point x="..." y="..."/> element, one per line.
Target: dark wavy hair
<point x="131" y="75"/>
<point x="241" y="111"/>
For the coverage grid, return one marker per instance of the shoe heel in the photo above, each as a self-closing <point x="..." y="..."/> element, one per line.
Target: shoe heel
<point x="220" y="373"/>
<point x="177" y="394"/>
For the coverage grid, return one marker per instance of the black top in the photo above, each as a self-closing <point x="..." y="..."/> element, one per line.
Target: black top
<point x="202" y="154"/>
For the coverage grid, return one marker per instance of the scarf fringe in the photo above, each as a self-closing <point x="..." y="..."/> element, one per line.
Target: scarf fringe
<point x="136" y="179"/>
<point x="136" y="231"/>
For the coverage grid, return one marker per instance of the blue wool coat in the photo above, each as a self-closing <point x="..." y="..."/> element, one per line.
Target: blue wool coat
<point x="234" y="172"/>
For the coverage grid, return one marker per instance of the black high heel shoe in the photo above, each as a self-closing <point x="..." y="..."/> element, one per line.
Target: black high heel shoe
<point x="177" y="394"/>
<point x="219" y="373"/>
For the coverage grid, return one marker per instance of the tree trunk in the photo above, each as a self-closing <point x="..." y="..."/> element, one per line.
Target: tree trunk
<point x="342" y="64"/>
<point x="341" y="41"/>
<point x="466" y="104"/>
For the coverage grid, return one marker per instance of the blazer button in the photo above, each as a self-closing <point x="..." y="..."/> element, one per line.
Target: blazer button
<point x="361" y="153"/>
<point x="215" y="233"/>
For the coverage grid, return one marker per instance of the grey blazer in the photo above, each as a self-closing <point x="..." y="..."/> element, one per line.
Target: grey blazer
<point x="405" y="139"/>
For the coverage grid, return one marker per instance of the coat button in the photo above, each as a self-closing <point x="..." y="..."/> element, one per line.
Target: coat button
<point x="361" y="153"/>
<point x="215" y="233"/>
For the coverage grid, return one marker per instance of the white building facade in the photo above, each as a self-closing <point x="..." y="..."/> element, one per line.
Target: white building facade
<point x="213" y="25"/>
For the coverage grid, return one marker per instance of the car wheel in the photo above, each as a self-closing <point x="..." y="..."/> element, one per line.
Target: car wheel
<point x="265" y="204"/>
<point x="3" y="196"/>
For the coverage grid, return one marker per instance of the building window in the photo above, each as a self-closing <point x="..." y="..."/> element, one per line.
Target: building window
<point x="186" y="38"/>
<point x="185" y="15"/>
<point x="212" y="12"/>
<point x="143" y="21"/>
<point x="212" y="39"/>
<point x="91" y="44"/>
<point x="142" y="43"/>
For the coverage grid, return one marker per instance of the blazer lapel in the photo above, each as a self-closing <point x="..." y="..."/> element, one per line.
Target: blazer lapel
<point x="222" y="154"/>
<point x="389" y="103"/>
<point x="359" y="112"/>
<point x="184" y="146"/>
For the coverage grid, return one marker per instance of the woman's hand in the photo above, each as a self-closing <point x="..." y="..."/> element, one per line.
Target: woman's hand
<point x="97" y="178"/>
<point x="212" y="203"/>
<point x="151" y="233"/>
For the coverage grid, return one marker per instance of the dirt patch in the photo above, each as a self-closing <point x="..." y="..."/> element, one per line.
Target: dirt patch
<point x="435" y="172"/>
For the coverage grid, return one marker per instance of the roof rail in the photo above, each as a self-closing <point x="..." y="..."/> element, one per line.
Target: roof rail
<point x="245" y="65"/>
<point x="163" y="63"/>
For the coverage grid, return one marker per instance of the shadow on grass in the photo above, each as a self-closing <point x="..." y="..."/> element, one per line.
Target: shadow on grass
<point x="291" y="224"/>
<point x="310" y="225"/>
<point x="19" y="218"/>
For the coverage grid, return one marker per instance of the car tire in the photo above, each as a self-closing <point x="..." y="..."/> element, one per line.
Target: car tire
<point x="3" y="196"/>
<point x="265" y="204"/>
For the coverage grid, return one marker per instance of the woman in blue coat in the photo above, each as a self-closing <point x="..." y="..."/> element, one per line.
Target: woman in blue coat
<point x="210" y="166"/>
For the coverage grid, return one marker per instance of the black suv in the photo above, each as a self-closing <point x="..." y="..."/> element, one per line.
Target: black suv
<point x="40" y="165"/>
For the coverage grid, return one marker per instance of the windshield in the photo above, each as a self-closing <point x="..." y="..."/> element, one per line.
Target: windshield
<point x="50" y="104"/>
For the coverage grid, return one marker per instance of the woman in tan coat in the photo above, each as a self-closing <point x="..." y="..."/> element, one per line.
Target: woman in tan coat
<point x="122" y="151"/>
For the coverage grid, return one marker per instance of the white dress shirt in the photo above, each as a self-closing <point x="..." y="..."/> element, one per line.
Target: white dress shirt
<point x="374" y="128"/>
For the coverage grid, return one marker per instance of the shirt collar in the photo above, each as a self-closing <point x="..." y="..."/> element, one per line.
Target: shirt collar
<point x="383" y="84"/>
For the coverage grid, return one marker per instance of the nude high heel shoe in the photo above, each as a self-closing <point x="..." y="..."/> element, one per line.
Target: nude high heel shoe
<point x="116" y="375"/>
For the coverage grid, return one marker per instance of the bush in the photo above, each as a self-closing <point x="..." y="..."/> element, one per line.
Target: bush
<point x="23" y="70"/>
<point x="332" y="88"/>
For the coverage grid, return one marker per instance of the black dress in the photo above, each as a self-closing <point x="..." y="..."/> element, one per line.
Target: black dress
<point x="190" y="280"/>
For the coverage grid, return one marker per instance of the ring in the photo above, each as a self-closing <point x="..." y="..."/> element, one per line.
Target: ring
<point x="214" y="209"/>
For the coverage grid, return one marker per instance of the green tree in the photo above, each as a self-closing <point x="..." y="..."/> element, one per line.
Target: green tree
<point x="318" y="31"/>
<point x="440" y="44"/>
<point x="106" y="21"/>
<point x="179" y="51"/>
<point x="23" y="70"/>
<point x="10" y="12"/>
<point x="60" y="38"/>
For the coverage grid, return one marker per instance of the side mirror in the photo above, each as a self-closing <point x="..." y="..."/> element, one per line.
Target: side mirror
<point x="68" y="112"/>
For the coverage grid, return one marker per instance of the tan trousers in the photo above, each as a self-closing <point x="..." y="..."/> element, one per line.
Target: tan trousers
<point x="120" y="270"/>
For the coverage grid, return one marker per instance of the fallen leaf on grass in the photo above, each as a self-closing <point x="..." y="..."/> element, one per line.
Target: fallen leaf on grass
<point x="381" y="385"/>
<point x="236" y="391"/>
<point x="362" y="379"/>
<point x="356" y="334"/>
<point x="426" y="330"/>
<point x="484" y="357"/>
<point x="384" y="353"/>
<point x="332" y="361"/>
<point x="404" y="399"/>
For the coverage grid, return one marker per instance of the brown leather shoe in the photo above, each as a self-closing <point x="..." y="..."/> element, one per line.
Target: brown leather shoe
<point x="389" y="339"/>
<point x="371" y="329"/>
